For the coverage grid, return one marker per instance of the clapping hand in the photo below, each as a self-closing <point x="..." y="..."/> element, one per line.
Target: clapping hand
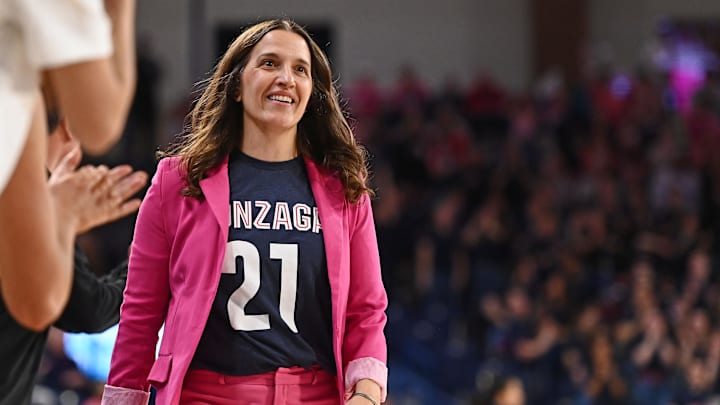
<point x="94" y="195"/>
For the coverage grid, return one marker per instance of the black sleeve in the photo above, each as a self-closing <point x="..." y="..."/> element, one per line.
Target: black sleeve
<point x="94" y="303"/>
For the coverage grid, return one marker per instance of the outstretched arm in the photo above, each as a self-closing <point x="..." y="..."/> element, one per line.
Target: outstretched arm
<point x="94" y="303"/>
<point x="35" y="249"/>
<point x="96" y="95"/>
<point x="40" y="221"/>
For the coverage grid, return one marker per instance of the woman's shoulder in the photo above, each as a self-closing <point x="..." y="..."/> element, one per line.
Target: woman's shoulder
<point x="329" y="178"/>
<point x="321" y="172"/>
<point x="168" y="161"/>
<point x="333" y="185"/>
<point x="170" y="170"/>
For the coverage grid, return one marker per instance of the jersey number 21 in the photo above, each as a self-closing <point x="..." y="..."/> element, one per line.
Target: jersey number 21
<point x="288" y="256"/>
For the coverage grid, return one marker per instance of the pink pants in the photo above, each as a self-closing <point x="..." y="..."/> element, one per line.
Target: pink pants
<point x="286" y="386"/>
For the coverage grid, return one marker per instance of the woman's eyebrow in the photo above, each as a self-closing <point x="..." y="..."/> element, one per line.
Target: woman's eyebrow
<point x="274" y="55"/>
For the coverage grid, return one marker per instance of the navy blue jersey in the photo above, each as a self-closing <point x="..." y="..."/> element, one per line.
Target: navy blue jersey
<point x="273" y="307"/>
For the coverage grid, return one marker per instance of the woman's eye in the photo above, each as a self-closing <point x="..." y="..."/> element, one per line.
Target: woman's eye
<point x="301" y="69"/>
<point x="268" y="63"/>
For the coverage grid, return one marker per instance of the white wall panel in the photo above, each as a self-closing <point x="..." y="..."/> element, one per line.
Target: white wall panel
<point x="439" y="38"/>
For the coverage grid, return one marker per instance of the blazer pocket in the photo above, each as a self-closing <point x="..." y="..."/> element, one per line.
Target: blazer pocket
<point x="160" y="370"/>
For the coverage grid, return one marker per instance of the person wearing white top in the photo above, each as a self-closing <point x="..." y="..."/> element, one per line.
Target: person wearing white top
<point x="84" y="51"/>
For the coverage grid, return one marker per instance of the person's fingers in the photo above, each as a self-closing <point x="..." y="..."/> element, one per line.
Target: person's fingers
<point x="124" y="209"/>
<point x="111" y="204"/>
<point x="69" y="162"/>
<point x="129" y="185"/>
<point x="131" y="205"/>
<point x="101" y="184"/>
<point x="104" y="192"/>
<point x="118" y="172"/>
<point x="123" y="183"/>
<point x="87" y="177"/>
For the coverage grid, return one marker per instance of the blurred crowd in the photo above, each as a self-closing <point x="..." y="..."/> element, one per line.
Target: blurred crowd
<point x="563" y="238"/>
<point x="555" y="246"/>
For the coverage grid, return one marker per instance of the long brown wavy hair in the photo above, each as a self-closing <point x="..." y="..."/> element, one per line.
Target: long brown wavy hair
<point x="216" y="121"/>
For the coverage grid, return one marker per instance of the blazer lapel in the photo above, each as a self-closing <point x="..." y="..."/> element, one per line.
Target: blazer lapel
<point x="330" y="199"/>
<point x="216" y="189"/>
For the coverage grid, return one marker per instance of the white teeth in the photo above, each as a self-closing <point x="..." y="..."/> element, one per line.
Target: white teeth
<point x="283" y="99"/>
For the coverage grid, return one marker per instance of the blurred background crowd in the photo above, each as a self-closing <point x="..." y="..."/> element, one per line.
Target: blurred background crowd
<point x="556" y="243"/>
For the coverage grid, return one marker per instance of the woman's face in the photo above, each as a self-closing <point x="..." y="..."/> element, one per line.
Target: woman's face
<point x="276" y="82"/>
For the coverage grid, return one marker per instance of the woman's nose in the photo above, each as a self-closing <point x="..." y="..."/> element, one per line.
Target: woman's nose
<point x="286" y="77"/>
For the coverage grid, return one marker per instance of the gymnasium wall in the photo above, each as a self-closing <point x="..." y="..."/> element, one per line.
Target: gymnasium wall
<point x="439" y="38"/>
<point x="626" y="28"/>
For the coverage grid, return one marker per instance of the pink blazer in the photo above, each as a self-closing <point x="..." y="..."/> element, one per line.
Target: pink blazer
<point x="175" y="266"/>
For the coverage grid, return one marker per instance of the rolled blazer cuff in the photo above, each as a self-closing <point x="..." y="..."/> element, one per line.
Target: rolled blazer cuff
<point x="366" y="368"/>
<point x="124" y="396"/>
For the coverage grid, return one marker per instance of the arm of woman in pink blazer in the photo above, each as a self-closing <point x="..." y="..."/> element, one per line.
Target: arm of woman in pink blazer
<point x="364" y="344"/>
<point x="146" y="297"/>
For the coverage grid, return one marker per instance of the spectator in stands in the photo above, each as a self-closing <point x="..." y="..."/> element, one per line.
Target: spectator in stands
<point x="502" y="390"/>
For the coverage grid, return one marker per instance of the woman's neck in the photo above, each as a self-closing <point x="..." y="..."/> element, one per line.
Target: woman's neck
<point x="270" y="147"/>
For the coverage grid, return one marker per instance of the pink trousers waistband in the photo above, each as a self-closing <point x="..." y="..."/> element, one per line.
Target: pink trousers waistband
<point x="282" y="376"/>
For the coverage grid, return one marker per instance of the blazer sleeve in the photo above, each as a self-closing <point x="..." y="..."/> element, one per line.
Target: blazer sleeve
<point x="94" y="303"/>
<point x="147" y="293"/>
<point x="364" y="344"/>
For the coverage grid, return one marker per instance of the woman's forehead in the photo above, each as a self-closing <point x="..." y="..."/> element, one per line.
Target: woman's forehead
<point x="283" y="44"/>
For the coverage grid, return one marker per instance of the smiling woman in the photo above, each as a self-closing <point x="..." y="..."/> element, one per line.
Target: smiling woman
<point x="274" y="91"/>
<point x="257" y="226"/>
